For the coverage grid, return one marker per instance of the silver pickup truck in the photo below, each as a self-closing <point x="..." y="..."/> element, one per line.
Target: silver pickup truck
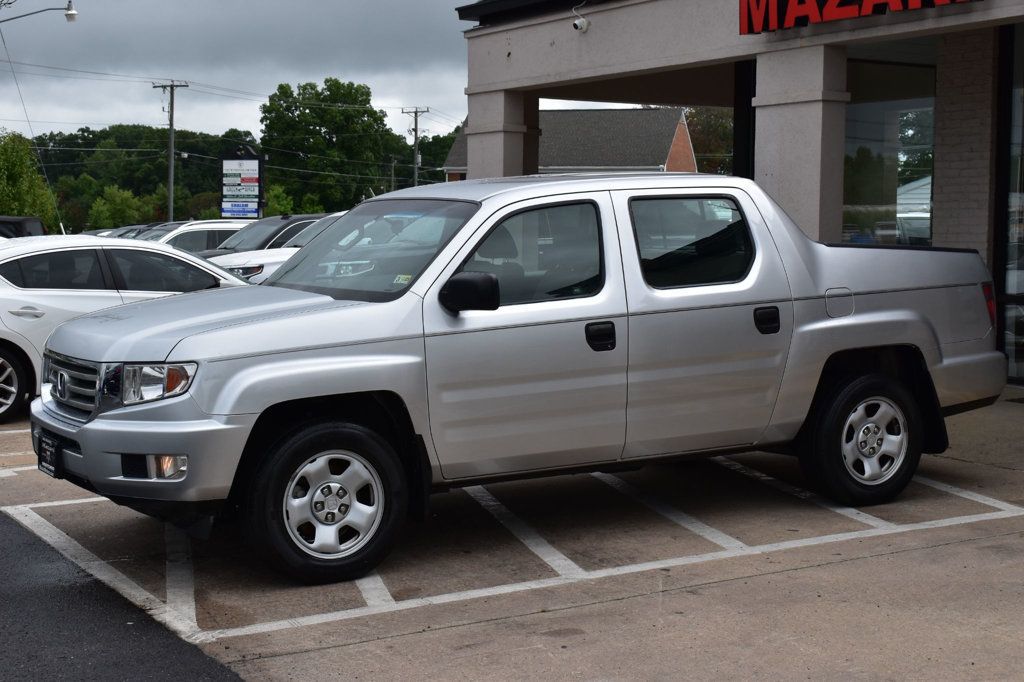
<point x="467" y="332"/>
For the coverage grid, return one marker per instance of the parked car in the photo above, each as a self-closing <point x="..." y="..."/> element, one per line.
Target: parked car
<point x="151" y="233"/>
<point x="47" y="280"/>
<point x="197" y="235"/>
<point x="20" y="226"/>
<point x="256" y="266"/>
<point x="497" y="335"/>
<point x="268" y="233"/>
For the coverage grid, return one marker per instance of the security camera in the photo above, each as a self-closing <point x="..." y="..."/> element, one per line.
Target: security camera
<point x="581" y="24"/>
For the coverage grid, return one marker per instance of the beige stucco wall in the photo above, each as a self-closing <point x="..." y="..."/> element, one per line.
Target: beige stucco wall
<point x="800" y="98"/>
<point x="965" y="130"/>
<point x="637" y="36"/>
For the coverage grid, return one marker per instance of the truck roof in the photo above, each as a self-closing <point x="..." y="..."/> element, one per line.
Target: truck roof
<point x="480" y="190"/>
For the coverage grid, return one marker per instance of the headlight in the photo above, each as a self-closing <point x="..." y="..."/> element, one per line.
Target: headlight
<point x="143" y="383"/>
<point x="246" y="271"/>
<point x="352" y="268"/>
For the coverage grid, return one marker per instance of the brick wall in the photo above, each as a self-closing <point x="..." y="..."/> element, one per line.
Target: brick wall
<point x="965" y="106"/>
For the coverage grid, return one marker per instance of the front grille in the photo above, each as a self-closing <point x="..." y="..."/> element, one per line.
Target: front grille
<point x="81" y="385"/>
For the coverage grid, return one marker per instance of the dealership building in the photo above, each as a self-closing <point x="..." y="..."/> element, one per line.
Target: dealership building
<point x="876" y="121"/>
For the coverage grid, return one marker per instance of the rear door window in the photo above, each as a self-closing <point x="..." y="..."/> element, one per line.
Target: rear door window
<point x="691" y="241"/>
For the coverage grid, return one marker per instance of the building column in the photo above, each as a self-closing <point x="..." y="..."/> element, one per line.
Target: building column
<point x="800" y="135"/>
<point x="966" y="84"/>
<point x="502" y="135"/>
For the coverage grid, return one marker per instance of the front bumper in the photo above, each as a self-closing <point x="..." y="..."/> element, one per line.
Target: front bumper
<point x="91" y="452"/>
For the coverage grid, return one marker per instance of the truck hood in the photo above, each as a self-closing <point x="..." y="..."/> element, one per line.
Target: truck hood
<point x="148" y="331"/>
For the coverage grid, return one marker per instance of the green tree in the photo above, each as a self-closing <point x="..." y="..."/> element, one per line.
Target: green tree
<point x="23" y="189"/>
<point x="712" y="138"/>
<point x="336" y="146"/>
<point x="115" y="208"/>
<point x="278" y="201"/>
<point x="76" y="194"/>
<point x="433" y="152"/>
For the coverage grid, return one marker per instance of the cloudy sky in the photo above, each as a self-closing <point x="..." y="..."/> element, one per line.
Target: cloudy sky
<point x="410" y="52"/>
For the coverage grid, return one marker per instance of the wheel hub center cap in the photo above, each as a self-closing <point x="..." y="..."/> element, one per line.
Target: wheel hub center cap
<point x="330" y="503"/>
<point x="869" y="439"/>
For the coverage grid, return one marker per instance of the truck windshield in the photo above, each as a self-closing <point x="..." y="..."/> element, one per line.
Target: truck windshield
<point x="376" y="250"/>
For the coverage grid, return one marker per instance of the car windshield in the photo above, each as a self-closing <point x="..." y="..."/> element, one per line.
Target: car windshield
<point x="155" y="234"/>
<point x="376" y="250"/>
<point x="255" y="235"/>
<point x="307" y="235"/>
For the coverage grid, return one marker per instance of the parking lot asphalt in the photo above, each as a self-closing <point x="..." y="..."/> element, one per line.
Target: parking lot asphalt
<point x="711" y="568"/>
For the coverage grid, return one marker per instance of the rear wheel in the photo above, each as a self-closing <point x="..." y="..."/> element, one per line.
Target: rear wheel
<point x="866" y="443"/>
<point x="327" y="502"/>
<point x="14" y="390"/>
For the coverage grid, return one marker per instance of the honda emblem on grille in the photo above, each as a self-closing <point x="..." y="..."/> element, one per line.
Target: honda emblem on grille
<point x="62" y="385"/>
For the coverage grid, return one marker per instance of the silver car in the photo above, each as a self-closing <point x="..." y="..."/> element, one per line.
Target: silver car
<point x="512" y="327"/>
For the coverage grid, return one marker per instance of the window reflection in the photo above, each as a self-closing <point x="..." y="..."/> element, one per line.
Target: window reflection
<point x="890" y="126"/>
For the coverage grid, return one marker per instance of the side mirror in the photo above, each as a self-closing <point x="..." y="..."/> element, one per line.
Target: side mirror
<point x="470" y="291"/>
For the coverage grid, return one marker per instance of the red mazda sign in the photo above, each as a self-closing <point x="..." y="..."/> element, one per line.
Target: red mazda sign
<point x="758" y="16"/>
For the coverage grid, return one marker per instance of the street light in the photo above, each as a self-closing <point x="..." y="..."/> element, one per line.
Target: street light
<point x="70" y="13"/>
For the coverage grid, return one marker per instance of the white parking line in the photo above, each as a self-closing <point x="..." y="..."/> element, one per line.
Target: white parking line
<point x="180" y="581"/>
<point x="16" y="431"/>
<point x="21" y="453"/>
<point x="347" y="614"/>
<point x="848" y="512"/>
<point x="671" y="513"/>
<point x="177" y="615"/>
<point x="99" y="569"/>
<point x="561" y="564"/>
<point x="967" y="494"/>
<point x="374" y="591"/>
<point x="7" y="472"/>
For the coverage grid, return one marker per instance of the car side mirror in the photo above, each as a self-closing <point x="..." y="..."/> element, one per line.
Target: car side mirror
<point x="470" y="291"/>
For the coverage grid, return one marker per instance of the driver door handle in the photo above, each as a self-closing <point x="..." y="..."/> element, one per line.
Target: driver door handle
<point x="27" y="311"/>
<point x="601" y="336"/>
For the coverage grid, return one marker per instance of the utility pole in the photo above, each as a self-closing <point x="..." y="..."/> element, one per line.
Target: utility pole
<point x="171" y="86"/>
<point x="393" y="159"/>
<point x="415" y="112"/>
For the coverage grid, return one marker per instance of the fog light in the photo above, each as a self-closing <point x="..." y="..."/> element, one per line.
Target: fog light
<point x="170" y="466"/>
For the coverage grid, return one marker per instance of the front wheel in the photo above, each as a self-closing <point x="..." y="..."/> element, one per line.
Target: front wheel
<point x="327" y="502"/>
<point x="866" y="443"/>
<point x="14" y="386"/>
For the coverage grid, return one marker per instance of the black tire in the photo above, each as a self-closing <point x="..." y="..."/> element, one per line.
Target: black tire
<point x="822" y="455"/>
<point x="22" y="392"/>
<point x="265" y="501"/>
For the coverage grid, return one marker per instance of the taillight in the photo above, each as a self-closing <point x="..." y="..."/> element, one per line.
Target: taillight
<point x="990" y="301"/>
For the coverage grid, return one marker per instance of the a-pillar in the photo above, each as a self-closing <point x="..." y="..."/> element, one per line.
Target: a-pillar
<point x="502" y="135"/>
<point x="800" y="135"/>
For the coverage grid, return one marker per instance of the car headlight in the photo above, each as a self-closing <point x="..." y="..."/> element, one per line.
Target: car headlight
<point x="246" y="271"/>
<point x="143" y="383"/>
<point x="352" y="268"/>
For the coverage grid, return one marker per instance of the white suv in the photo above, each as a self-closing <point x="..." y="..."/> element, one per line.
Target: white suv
<point x="45" y="281"/>
<point x="196" y="235"/>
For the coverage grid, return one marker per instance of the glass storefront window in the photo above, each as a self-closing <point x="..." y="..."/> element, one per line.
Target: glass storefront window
<point x="1013" y="284"/>
<point x="887" y="188"/>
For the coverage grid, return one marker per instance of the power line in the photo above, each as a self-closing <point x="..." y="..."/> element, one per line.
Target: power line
<point x="24" y="108"/>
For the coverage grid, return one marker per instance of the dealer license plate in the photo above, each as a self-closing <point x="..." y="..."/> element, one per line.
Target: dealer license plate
<point x="49" y="452"/>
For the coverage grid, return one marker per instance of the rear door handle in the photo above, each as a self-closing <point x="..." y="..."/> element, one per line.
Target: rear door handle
<point x="27" y="311"/>
<point x="767" y="320"/>
<point x="601" y="335"/>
